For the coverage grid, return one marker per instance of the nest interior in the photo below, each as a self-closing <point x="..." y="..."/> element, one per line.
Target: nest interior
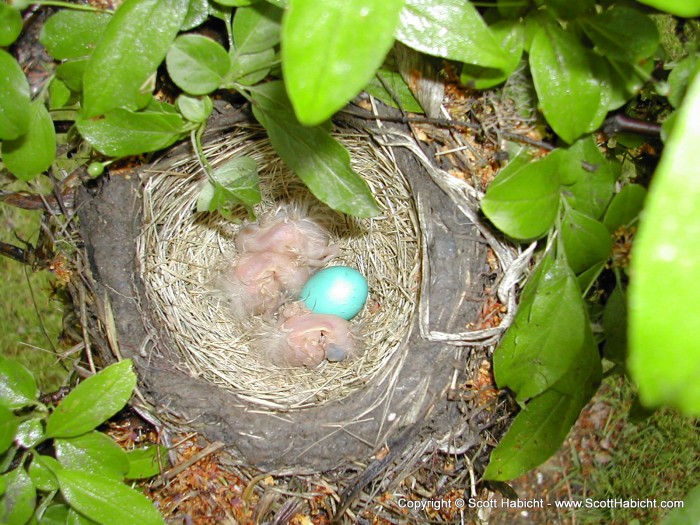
<point x="402" y="390"/>
<point x="180" y="251"/>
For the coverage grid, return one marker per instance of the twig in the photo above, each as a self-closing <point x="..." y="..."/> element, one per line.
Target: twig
<point x="82" y="298"/>
<point x="527" y="140"/>
<point x="440" y="122"/>
<point x="16" y="253"/>
<point x="622" y="123"/>
<point x="447" y="123"/>
<point x="42" y="326"/>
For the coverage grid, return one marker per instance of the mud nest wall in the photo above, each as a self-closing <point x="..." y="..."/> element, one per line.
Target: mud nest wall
<point x="424" y="340"/>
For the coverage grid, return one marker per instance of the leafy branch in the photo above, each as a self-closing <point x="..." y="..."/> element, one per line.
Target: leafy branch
<point x="84" y="478"/>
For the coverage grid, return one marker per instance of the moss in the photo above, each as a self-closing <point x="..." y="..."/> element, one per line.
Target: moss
<point x="654" y="459"/>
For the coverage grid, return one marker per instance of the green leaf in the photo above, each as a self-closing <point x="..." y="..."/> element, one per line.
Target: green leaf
<point x="93" y="401"/>
<point x="122" y="68"/>
<point x="17" y="504"/>
<point x="587" y="176"/>
<point x="625" y="207"/>
<point x="15" y="104"/>
<point x="540" y="428"/>
<point x="33" y="152"/>
<point x="509" y="9"/>
<point x="256" y="28"/>
<point x="30" y="433"/>
<point x="42" y="477"/>
<point x="235" y="182"/>
<point x="17" y="384"/>
<point x="93" y="452"/>
<point x="615" y="327"/>
<point x="194" y="109"/>
<point x="75" y="518"/>
<point x="686" y="514"/>
<point x="317" y="159"/>
<point x="235" y="3"/>
<point x="684" y="8"/>
<point x="240" y="177"/>
<point x="209" y="200"/>
<point x="587" y="278"/>
<point x="72" y="73"/>
<point x="571" y="97"/>
<point x="586" y="240"/>
<point x="331" y="50"/>
<point x="664" y="332"/>
<point x="221" y="12"/>
<point x="251" y="68"/>
<point x="197" y="64"/>
<point x="667" y="126"/>
<point x="158" y="106"/>
<point x="533" y="22"/>
<point x="451" y="29"/>
<point x="8" y="428"/>
<point x="622" y="33"/>
<point x="389" y="86"/>
<point x="10" y="24"/>
<point x="197" y="13"/>
<point x="105" y="500"/>
<point x="55" y="515"/>
<point x="147" y="461"/>
<point x="679" y="77"/>
<point x="546" y="335"/>
<point x="523" y="202"/>
<point x="510" y="35"/>
<point x="59" y="94"/>
<point x="122" y="132"/>
<point x="569" y="10"/>
<point x="73" y="34"/>
<point x="625" y="80"/>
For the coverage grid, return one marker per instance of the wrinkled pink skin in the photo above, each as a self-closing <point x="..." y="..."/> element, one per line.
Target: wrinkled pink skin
<point x="304" y="238"/>
<point x="310" y="338"/>
<point x="275" y="258"/>
<point x="258" y="269"/>
<point x="257" y="280"/>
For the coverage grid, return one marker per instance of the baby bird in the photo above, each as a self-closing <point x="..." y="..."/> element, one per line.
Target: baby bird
<point x="275" y="259"/>
<point x="256" y="282"/>
<point x="306" y="339"/>
<point x="303" y="238"/>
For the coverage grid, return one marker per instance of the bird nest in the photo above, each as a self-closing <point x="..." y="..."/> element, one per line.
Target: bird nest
<point x="181" y="250"/>
<point x="441" y="292"/>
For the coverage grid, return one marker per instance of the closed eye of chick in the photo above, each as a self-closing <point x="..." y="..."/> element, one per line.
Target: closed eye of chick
<point x="306" y="339"/>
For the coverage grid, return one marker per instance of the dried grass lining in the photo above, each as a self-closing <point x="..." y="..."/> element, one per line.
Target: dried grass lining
<point x="179" y="250"/>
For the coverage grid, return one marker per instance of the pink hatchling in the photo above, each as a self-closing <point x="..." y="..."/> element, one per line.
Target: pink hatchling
<point x="304" y="238"/>
<point x="306" y="339"/>
<point x="256" y="282"/>
<point x="275" y="259"/>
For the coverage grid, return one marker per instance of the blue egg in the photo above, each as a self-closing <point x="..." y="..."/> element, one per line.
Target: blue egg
<point x="338" y="290"/>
